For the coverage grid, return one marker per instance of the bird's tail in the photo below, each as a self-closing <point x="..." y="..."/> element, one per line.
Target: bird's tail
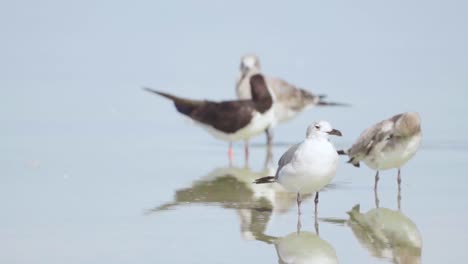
<point x="354" y="213"/>
<point x="267" y="179"/>
<point x="319" y="99"/>
<point x="322" y="102"/>
<point x="341" y="152"/>
<point x="184" y="106"/>
<point x="354" y="161"/>
<point x="163" y="94"/>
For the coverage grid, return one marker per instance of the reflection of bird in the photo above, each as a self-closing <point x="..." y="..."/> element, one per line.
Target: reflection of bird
<point x="289" y="99"/>
<point x="387" y="144"/>
<point x="387" y="234"/>
<point x="304" y="247"/>
<point x="232" y="188"/>
<point x="309" y="166"/>
<point x="230" y="120"/>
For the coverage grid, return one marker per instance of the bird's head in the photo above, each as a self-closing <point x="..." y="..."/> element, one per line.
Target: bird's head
<point x="249" y="62"/>
<point x="408" y="124"/>
<point x="322" y="129"/>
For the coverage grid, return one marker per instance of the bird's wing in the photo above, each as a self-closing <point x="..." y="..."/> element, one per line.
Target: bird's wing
<point x="227" y="116"/>
<point x="370" y="138"/>
<point x="291" y="96"/>
<point x="287" y="157"/>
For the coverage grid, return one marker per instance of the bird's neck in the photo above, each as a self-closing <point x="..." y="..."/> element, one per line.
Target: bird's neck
<point x="248" y="73"/>
<point x="261" y="95"/>
<point x="315" y="137"/>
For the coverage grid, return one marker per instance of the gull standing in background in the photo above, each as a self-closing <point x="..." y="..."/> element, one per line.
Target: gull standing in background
<point x="289" y="100"/>
<point x="387" y="145"/>
<point x="309" y="166"/>
<point x="230" y="120"/>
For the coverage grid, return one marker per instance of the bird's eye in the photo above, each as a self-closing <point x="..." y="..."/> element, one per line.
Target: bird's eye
<point x="317" y="126"/>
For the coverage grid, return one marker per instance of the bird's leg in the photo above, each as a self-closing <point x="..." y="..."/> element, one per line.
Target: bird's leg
<point x="269" y="157"/>
<point x="299" y="201"/>
<point x="376" y="181"/>
<point x="399" y="189"/>
<point x="316" y="200"/>
<point x="299" y="224"/>
<point x="246" y="149"/>
<point x="375" y="190"/>
<point x="230" y="152"/>
<point x="269" y="135"/>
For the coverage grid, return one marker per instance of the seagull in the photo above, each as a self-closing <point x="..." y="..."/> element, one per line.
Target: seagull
<point x="230" y="120"/>
<point x="387" y="145"/>
<point x="289" y="99"/>
<point x="309" y="166"/>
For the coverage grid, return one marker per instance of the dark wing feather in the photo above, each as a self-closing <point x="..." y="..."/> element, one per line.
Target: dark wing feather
<point x="227" y="116"/>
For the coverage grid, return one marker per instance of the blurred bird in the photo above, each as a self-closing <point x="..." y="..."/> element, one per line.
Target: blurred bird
<point x="289" y="100"/>
<point x="309" y="166"/>
<point x="232" y="188"/>
<point x="230" y="120"/>
<point x="388" y="144"/>
<point x="304" y="247"/>
<point x="387" y="233"/>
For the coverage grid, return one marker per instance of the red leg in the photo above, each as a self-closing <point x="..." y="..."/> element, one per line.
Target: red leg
<point x="230" y="152"/>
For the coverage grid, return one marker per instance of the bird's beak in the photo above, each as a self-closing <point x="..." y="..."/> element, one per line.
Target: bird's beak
<point x="335" y="132"/>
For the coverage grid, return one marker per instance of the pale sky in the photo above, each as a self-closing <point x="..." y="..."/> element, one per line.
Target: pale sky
<point x="86" y="60"/>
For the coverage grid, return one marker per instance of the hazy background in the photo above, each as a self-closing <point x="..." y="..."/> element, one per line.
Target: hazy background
<point x="85" y="151"/>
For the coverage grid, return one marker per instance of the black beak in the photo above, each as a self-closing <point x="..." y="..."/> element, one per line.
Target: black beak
<point x="335" y="132"/>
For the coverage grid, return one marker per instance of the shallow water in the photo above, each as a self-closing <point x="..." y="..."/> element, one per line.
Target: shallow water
<point x="120" y="199"/>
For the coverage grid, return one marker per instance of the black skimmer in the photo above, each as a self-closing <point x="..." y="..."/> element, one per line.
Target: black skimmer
<point x="230" y="120"/>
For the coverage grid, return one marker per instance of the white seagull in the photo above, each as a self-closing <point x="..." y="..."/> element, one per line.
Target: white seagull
<point x="289" y="99"/>
<point x="388" y="144"/>
<point x="309" y="166"/>
<point x="230" y="120"/>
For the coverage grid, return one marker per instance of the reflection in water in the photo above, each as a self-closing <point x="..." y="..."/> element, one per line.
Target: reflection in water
<point x="232" y="188"/>
<point x="387" y="234"/>
<point x="304" y="247"/>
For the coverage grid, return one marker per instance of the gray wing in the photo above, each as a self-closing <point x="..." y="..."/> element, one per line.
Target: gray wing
<point x="291" y="96"/>
<point x="286" y="158"/>
<point x="369" y="139"/>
